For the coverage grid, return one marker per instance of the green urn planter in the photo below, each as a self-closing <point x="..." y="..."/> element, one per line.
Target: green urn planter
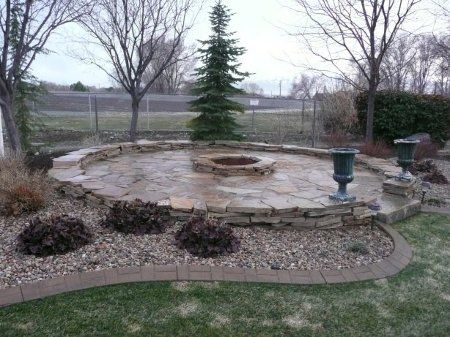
<point x="343" y="161"/>
<point x="405" y="154"/>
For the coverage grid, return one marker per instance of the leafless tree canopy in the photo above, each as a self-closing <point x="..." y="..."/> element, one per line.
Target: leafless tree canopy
<point x="341" y="32"/>
<point x="344" y="31"/>
<point x="305" y="86"/>
<point x="32" y="22"/>
<point x="398" y="63"/>
<point x="419" y="64"/>
<point x="252" y="89"/>
<point x="176" y="74"/>
<point x="137" y="35"/>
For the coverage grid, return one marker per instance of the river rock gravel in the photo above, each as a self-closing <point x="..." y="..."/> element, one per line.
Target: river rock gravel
<point x="260" y="247"/>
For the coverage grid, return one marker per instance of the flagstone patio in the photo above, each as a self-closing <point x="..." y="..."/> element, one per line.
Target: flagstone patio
<point x="165" y="174"/>
<point x="294" y="193"/>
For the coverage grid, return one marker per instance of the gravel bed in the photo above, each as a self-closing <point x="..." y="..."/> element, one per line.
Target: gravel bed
<point x="442" y="191"/>
<point x="437" y="191"/>
<point x="260" y="247"/>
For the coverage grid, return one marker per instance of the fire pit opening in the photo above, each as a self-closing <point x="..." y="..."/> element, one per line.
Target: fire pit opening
<point x="235" y="161"/>
<point x="234" y="164"/>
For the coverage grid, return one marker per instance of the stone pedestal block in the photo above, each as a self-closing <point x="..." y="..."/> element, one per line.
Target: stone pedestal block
<point x="398" y="187"/>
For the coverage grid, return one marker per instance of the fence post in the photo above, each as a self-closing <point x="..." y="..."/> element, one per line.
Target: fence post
<point x="90" y="110"/>
<point x="303" y="115"/>
<point x="148" y="115"/>
<point x="253" y="121"/>
<point x="313" y="140"/>
<point x="96" y="113"/>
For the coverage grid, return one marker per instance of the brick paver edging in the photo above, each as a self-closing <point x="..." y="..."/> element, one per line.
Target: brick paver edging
<point x="390" y="266"/>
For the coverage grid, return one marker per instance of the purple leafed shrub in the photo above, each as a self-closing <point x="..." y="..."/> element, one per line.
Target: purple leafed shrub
<point x="207" y="238"/>
<point x="436" y="177"/>
<point x="136" y="217"/>
<point x="424" y="166"/>
<point x="57" y="234"/>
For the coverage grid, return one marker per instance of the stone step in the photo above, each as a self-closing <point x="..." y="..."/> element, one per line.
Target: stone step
<point x="396" y="208"/>
<point x="445" y="153"/>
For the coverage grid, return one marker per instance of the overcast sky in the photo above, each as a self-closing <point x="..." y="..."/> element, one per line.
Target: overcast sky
<point x="259" y="24"/>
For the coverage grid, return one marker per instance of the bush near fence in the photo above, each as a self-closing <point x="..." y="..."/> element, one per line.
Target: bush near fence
<point x="399" y="114"/>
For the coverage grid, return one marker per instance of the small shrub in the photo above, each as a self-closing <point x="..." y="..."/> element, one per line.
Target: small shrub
<point x="357" y="247"/>
<point x="92" y="140"/>
<point x="207" y="238"/>
<point x="436" y="177"/>
<point x="338" y="112"/>
<point x="425" y="150"/>
<point x="424" y="166"/>
<point x="337" y="139"/>
<point x="436" y="202"/>
<point x="136" y="217"/>
<point x="21" y="189"/>
<point x="377" y="149"/>
<point x="57" y="234"/>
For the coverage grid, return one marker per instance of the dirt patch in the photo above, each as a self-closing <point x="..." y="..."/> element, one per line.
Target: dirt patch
<point x="187" y="308"/>
<point x="298" y="322"/>
<point x="42" y="161"/>
<point x="220" y="320"/>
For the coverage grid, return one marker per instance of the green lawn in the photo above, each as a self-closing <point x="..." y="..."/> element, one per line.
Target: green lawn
<point x="263" y="122"/>
<point x="414" y="303"/>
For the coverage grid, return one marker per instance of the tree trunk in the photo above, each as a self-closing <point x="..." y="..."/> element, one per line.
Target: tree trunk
<point x="11" y="128"/>
<point x="134" y="118"/>
<point x="370" y="112"/>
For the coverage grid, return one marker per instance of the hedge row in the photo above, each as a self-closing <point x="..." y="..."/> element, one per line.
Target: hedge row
<point x="399" y="114"/>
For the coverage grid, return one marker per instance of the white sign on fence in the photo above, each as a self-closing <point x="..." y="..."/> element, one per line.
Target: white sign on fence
<point x="254" y="102"/>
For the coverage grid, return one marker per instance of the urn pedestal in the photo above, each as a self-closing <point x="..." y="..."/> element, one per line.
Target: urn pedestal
<point x="343" y="162"/>
<point x="405" y="157"/>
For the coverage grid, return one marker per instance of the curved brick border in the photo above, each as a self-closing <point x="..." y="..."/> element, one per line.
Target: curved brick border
<point x="390" y="266"/>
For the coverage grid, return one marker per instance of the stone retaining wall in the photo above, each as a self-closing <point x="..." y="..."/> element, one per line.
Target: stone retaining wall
<point x="277" y="213"/>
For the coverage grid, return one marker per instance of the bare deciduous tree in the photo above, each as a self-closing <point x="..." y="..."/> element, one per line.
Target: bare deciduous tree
<point x="422" y="65"/>
<point x="304" y="87"/>
<point x="26" y="27"/>
<point x="175" y="75"/>
<point x="359" y="31"/>
<point x="132" y="33"/>
<point x="252" y="88"/>
<point x="397" y="63"/>
<point x="417" y="63"/>
<point x="442" y="71"/>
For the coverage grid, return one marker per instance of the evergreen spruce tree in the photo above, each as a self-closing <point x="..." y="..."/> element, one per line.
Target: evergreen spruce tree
<point x="215" y="82"/>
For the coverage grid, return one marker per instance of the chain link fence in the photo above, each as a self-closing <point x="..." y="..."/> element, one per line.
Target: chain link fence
<point x="280" y="120"/>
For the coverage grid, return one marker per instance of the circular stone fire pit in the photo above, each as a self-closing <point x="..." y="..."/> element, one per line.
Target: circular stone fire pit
<point x="234" y="164"/>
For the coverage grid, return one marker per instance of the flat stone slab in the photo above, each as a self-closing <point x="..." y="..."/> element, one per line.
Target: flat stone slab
<point x="395" y="208"/>
<point x="112" y="192"/>
<point x="181" y="204"/>
<point x="249" y="206"/>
